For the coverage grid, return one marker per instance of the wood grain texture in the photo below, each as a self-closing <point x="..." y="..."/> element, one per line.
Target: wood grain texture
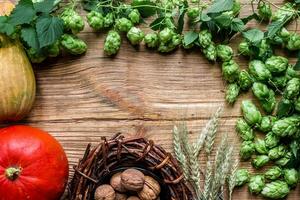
<point x="81" y="99"/>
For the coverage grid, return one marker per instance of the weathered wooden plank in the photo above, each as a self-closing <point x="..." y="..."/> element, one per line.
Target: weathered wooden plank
<point x="81" y="99"/>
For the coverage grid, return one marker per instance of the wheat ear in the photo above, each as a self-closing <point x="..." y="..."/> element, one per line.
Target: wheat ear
<point x="179" y="153"/>
<point x="231" y="178"/>
<point x="212" y="131"/>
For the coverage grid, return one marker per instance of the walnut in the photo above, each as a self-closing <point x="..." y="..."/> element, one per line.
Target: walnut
<point x="133" y="180"/>
<point x="151" y="189"/>
<point x="115" y="182"/>
<point x="105" y="192"/>
<point x="120" y="196"/>
<point x="133" y="198"/>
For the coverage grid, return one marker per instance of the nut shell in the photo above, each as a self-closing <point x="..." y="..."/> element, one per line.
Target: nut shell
<point x="133" y="198"/>
<point x="105" y="192"/>
<point x="151" y="189"/>
<point x="133" y="180"/>
<point x="115" y="182"/>
<point x="120" y="196"/>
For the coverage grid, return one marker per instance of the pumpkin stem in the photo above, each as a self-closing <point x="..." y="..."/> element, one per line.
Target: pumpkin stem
<point x="12" y="173"/>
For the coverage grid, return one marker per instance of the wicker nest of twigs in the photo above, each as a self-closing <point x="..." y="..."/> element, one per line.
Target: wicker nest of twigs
<point x="99" y="164"/>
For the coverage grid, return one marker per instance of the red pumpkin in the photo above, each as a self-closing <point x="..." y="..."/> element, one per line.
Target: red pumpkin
<point x="33" y="165"/>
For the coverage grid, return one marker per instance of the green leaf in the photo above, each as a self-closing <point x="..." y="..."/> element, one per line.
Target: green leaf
<point x="158" y="24"/>
<point x="29" y="35"/>
<point x="182" y="11"/>
<point x="204" y="17"/>
<point x="275" y="26"/>
<point x="237" y="25"/>
<point x="49" y="29"/>
<point x="220" y="6"/>
<point x="223" y="20"/>
<point x="45" y="6"/>
<point x="190" y="37"/>
<point x="6" y="27"/>
<point x="144" y="7"/>
<point x="254" y="35"/>
<point x="284" y="108"/>
<point x="23" y="13"/>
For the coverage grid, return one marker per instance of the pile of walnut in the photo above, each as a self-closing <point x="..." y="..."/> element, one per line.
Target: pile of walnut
<point x="130" y="184"/>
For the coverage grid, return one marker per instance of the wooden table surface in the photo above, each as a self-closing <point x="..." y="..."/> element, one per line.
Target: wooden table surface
<point x="81" y="99"/>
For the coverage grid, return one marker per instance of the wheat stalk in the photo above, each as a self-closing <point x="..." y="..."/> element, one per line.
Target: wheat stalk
<point x="212" y="131"/>
<point x="179" y="153"/>
<point x="231" y="178"/>
<point x="208" y="180"/>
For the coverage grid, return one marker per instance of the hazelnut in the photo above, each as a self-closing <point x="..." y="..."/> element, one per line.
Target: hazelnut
<point x="115" y="182"/>
<point x="133" y="198"/>
<point x="120" y="196"/>
<point x="105" y="192"/>
<point x="151" y="189"/>
<point x="132" y="180"/>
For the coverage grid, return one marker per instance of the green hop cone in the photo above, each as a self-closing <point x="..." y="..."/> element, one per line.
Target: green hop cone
<point x="169" y="22"/>
<point x="292" y="89"/>
<point x="245" y="80"/>
<point x="267" y="123"/>
<point x="291" y="177"/>
<point x="284" y="34"/>
<point x="73" y="44"/>
<point x="277" y="64"/>
<point x="293" y="43"/>
<point x="260" y="146"/>
<point x="286" y="127"/>
<point x="35" y="56"/>
<point x="251" y="114"/>
<point x="286" y="11"/>
<point x="193" y="13"/>
<point x="232" y="93"/>
<point x="297" y="105"/>
<point x="108" y="20"/>
<point x="292" y="73"/>
<point x="135" y="35"/>
<point x="259" y="71"/>
<point x="273" y="173"/>
<point x="277" y="152"/>
<point x="95" y="20"/>
<point x="112" y="43"/>
<point x="230" y="71"/>
<point x="265" y="95"/>
<point x="244" y="49"/>
<point x="171" y="45"/>
<point x="271" y="140"/>
<point x="275" y="190"/>
<point x="241" y="177"/>
<point x="134" y="16"/>
<point x="279" y="82"/>
<point x="264" y="11"/>
<point x="260" y="161"/>
<point x="224" y="52"/>
<point x="284" y="160"/>
<point x="72" y="20"/>
<point x="244" y="130"/>
<point x="165" y="35"/>
<point x="210" y="52"/>
<point x="53" y="50"/>
<point x="151" y="40"/>
<point x="205" y="38"/>
<point x="123" y="24"/>
<point x="260" y="90"/>
<point x="256" y="184"/>
<point x="247" y="150"/>
<point x="265" y="50"/>
<point x="269" y="104"/>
